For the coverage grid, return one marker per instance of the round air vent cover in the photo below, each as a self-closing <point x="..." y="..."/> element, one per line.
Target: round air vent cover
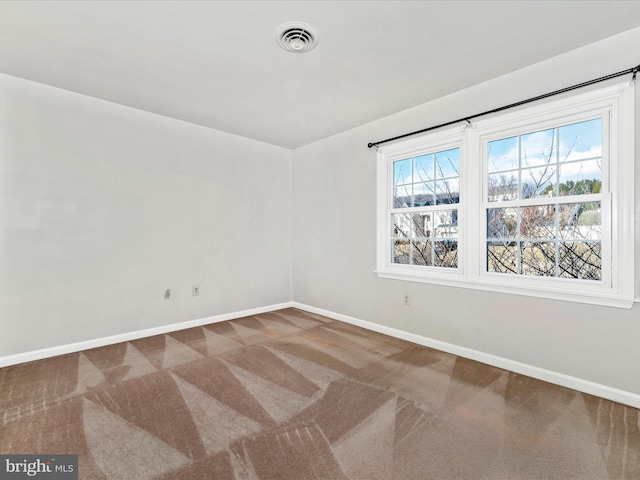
<point x="296" y="37"/>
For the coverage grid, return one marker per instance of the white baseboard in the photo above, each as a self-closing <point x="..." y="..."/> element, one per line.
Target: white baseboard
<point x="585" y="386"/>
<point x="125" y="337"/>
<point x="561" y="379"/>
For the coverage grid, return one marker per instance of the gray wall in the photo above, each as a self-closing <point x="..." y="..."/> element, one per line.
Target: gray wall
<point x="103" y="207"/>
<point x="334" y="230"/>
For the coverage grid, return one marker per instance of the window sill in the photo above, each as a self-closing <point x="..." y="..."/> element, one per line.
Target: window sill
<point x="590" y="296"/>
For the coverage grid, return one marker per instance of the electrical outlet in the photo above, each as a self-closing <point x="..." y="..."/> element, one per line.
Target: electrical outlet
<point x="406" y="300"/>
<point x="195" y="290"/>
<point x="167" y="294"/>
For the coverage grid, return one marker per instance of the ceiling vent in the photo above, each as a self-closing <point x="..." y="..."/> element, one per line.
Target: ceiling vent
<point x="296" y="37"/>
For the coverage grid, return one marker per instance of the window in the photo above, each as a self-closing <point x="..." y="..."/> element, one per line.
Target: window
<point x="535" y="202"/>
<point x="426" y="194"/>
<point x="544" y="202"/>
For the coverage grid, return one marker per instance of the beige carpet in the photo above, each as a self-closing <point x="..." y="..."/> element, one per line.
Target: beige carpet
<point x="292" y="395"/>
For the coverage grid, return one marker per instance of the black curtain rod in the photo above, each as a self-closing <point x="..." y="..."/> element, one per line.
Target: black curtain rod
<point x="633" y="70"/>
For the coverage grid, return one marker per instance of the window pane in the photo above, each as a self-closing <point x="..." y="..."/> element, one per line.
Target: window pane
<point x="424" y="170"/>
<point x="422" y="227"/>
<point x="446" y="253"/>
<point x="402" y="196"/>
<point x="581" y="140"/>
<point x="421" y="252"/>
<point x="401" y="224"/>
<point x="538" y="222"/>
<point x="581" y="178"/>
<point x="580" y="221"/>
<point x="400" y="253"/>
<point x="446" y="224"/>
<point x="422" y="194"/>
<point x="502" y="187"/>
<point x="502" y="258"/>
<point x="402" y="172"/>
<point x="503" y="155"/>
<point x="448" y="163"/>
<point x="581" y="260"/>
<point x="538" y="148"/>
<point x="538" y="182"/>
<point x="502" y="223"/>
<point x="448" y="191"/>
<point x="446" y="239"/>
<point x="538" y="258"/>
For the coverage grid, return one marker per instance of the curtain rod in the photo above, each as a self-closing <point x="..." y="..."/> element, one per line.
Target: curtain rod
<point x="467" y="119"/>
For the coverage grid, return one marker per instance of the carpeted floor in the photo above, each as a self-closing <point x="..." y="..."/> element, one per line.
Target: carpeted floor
<point x="292" y="395"/>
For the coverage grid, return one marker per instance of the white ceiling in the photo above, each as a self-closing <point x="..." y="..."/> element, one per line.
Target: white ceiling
<point x="217" y="64"/>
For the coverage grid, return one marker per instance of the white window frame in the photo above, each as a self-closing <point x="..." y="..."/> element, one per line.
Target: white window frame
<point x="437" y="143"/>
<point x="617" y="288"/>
